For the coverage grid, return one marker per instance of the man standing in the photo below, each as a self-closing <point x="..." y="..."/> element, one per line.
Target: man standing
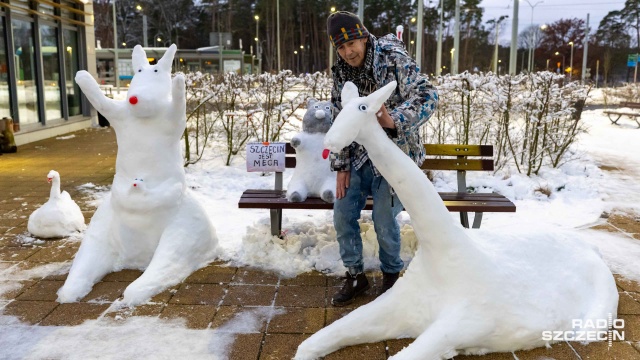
<point x="370" y="63"/>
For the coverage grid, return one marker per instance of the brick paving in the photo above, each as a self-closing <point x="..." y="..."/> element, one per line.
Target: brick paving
<point x="211" y="296"/>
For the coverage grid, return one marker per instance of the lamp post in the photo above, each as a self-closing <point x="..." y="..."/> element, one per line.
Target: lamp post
<point x="333" y="9"/>
<point x="533" y="34"/>
<point x="145" y="41"/>
<point x="495" y="49"/>
<point x="420" y="32"/>
<point x="439" y="46"/>
<point x="257" y="38"/>
<point x="513" y="52"/>
<point x="456" y="39"/>
<point x="543" y="27"/>
<point x="278" y="31"/>
<point x="115" y="49"/>
<point x="571" y="60"/>
<point x="301" y="68"/>
<point x="548" y="64"/>
<point x="453" y="50"/>
<point x="413" y="20"/>
<point x="558" y="54"/>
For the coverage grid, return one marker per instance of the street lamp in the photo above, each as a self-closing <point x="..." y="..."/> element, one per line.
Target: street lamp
<point x="548" y="64"/>
<point x="543" y="27"/>
<point x="115" y="49"/>
<point x="158" y="39"/>
<point x="144" y="27"/>
<point x="333" y="9"/>
<point x="453" y="50"/>
<point x="257" y="38"/>
<point x="413" y="20"/>
<point x="571" y="60"/>
<point x="533" y="34"/>
<point x="558" y="54"/>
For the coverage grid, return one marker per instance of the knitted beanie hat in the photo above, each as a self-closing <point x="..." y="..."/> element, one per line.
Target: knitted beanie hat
<point x="343" y="26"/>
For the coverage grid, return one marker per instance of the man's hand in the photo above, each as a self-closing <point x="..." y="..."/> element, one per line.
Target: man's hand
<point x="342" y="183"/>
<point x="385" y="119"/>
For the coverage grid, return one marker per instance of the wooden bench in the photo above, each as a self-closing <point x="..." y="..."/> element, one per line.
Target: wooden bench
<point x="618" y="114"/>
<point x="461" y="158"/>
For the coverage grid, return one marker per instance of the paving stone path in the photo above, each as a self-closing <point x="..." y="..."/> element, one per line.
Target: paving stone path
<point x="212" y="296"/>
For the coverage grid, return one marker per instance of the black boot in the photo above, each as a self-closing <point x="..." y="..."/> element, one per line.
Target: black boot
<point x="353" y="286"/>
<point x="388" y="279"/>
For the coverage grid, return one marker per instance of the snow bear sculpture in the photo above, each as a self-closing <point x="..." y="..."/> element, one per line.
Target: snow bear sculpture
<point x="150" y="220"/>
<point x="312" y="175"/>
<point x="462" y="294"/>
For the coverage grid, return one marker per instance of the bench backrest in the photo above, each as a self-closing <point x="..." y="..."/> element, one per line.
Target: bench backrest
<point x="439" y="157"/>
<point x="629" y="104"/>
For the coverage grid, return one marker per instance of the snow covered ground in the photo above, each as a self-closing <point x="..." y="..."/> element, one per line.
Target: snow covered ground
<point x="581" y="193"/>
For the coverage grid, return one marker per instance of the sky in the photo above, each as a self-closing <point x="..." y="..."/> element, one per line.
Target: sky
<point x="587" y="192"/>
<point x="549" y="11"/>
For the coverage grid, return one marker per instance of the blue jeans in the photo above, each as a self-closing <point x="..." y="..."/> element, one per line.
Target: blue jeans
<point x="346" y="212"/>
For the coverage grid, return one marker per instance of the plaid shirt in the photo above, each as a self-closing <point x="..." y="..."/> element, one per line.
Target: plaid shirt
<point x="413" y="102"/>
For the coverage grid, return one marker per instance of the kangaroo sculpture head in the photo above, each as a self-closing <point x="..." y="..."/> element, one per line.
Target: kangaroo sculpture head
<point x="357" y="113"/>
<point x="151" y="84"/>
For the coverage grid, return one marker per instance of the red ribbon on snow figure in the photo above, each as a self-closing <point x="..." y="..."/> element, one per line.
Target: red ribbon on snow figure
<point x="325" y="153"/>
<point x="133" y="100"/>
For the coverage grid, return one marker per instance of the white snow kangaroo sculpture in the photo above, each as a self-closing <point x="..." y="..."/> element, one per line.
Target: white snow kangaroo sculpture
<point x="157" y="224"/>
<point x="460" y="294"/>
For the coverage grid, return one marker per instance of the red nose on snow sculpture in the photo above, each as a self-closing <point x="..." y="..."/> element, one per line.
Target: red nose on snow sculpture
<point x="133" y="100"/>
<point x="325" y="153"/>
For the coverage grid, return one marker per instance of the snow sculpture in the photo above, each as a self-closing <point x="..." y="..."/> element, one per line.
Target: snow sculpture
<point x="460" y="294"/>
<point x="150" y="220"/>
<point x="312" y="175"/>
<point x="59" y="216"/>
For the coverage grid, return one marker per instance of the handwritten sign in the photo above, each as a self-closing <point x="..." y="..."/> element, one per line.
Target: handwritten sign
<point x="266" y="156"/>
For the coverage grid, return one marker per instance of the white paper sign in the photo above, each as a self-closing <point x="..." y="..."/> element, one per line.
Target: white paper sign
<point x="266" y="156"/>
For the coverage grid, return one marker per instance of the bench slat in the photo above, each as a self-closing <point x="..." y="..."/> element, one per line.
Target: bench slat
<point x="436" y="150"/>
<point x="446" y="196"/>
<point x="458" y="150"/>
<point x="274" y="199"/>
<point x="621" y="113"/>
<point x="457" y="164"/>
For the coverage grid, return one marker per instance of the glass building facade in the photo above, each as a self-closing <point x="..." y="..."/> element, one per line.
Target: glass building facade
<point x="42" y="46"/>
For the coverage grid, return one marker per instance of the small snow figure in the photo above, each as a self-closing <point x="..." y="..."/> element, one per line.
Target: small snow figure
<point x="58" y="217"/>
<point x="460" y="294"/>
<point x="312" y="175"/>
<point x="155" y="225"/>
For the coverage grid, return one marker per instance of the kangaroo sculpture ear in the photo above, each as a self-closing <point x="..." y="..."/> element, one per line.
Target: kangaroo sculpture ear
<point x="377" y="98"/>
<point x="167" y="58"/>
<point x="349" y="92"/>
<point x="138" y="58"/>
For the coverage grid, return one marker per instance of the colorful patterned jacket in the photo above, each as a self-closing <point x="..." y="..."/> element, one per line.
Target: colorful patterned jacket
<point x="411" y="105"/>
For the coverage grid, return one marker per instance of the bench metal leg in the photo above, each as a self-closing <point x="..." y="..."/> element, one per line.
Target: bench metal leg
<point x="477" y="219"/>
<point x="276" y="222"/>
<point x="276" y="214"/>
<point x="464" y="219"/>
<point x="614" y="122"/>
